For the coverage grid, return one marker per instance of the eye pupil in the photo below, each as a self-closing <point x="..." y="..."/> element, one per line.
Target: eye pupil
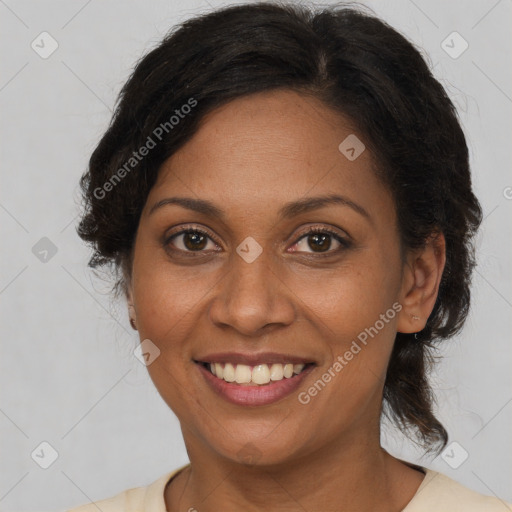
<point x="321" y="238"/>
<point x="197" y="240"/>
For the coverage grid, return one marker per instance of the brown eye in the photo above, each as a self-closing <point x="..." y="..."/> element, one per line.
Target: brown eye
<point x="320" y="240"/>
<point x="189" y="240"/>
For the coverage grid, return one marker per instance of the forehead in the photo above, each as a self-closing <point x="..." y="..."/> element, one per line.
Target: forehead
<point x="271" y="148"/>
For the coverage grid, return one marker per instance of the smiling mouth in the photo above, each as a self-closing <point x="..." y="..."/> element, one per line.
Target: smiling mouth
<point x="257" y="375"/>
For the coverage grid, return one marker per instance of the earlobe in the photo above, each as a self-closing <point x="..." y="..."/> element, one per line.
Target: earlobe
<point x="420" y="284"/>
<point x="132" y="314"/>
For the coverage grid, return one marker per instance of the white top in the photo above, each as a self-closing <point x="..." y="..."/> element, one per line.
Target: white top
<point x="437" y="493"/>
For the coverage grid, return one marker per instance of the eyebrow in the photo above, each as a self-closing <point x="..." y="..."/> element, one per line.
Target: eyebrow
<point x="287" y="211"/>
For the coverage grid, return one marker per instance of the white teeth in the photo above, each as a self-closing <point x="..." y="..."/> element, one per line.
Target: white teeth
<point x="260" y="374"/>
<point x="276" y="372"/>
<point x="229" y="372"/>
<point x="297" y="368"/>
<point x="242" y="374"/>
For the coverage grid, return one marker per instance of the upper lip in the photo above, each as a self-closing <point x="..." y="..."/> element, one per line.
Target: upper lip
<point x="252" y="359"/>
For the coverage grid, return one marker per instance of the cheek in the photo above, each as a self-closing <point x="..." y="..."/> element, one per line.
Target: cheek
<point x="355" y="311"/>
<point x="166" y="297"/>
<point x="351" y="297"/>
<point x="357" y="325"/>
<point x="166" y="300"/>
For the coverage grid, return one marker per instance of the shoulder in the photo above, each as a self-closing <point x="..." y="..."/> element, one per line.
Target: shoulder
<point x="137" y="499"/>
<point x="127" y="501"/>
<point x="440" y="493"/>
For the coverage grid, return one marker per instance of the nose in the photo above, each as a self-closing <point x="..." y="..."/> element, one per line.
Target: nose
<point x="252" y="296"/>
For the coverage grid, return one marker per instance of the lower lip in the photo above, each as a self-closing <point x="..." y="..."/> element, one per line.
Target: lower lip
<point x="254" y="395"/>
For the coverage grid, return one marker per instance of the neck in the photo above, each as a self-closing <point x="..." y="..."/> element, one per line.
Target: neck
<point x="350" y="475"/>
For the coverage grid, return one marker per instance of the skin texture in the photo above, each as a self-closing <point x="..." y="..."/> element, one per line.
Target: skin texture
<point x="249" y="158"/>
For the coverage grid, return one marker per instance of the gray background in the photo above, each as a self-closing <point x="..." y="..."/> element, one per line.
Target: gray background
<point x="68" y="376"/>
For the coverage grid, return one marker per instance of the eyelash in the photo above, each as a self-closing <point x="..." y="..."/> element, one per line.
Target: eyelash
<point x="344" y="243"/>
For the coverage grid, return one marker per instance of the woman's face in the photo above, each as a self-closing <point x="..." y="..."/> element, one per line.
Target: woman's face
<point x="256" y="289"/>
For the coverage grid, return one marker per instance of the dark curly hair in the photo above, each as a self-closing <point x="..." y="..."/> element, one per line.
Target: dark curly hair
<point x="358" y="66"/>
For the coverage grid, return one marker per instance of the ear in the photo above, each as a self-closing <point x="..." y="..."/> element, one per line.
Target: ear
<point x="131" y="306"/>
<point x="421" y="277"/>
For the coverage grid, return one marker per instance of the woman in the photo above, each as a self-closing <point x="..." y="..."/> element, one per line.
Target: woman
<point x="286" y="198"/>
